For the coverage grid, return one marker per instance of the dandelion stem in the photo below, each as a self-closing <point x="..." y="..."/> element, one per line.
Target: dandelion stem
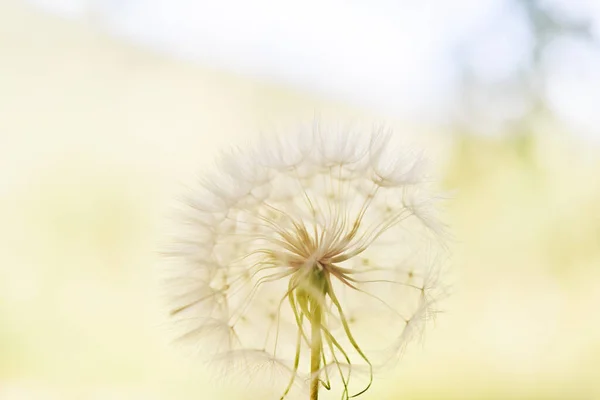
<point x="315" y="349"/>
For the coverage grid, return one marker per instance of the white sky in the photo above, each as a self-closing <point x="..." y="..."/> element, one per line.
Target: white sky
<point x="395" y="56"/>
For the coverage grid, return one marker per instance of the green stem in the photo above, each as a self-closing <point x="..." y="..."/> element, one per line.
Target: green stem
<point x="315" y="349"/>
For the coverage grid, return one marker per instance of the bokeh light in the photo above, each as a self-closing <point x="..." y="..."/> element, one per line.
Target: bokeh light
<point x="108" y="108"/>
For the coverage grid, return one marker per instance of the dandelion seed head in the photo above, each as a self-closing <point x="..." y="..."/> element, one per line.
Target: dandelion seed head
<point x="340" y="221"/>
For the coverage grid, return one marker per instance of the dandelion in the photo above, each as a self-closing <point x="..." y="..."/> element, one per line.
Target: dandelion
<point x="313" y="257"/>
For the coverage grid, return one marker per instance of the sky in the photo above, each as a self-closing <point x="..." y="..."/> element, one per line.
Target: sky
<point x="397" y="57"/>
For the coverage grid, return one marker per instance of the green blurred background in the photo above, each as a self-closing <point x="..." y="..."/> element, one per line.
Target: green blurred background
<point x="96" y="137"/>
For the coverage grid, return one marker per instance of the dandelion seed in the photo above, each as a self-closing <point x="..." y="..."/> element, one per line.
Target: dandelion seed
<point x="313" y="257"/>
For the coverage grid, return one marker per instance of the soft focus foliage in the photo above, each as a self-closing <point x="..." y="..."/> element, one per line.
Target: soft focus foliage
<point x="92" y="136"/>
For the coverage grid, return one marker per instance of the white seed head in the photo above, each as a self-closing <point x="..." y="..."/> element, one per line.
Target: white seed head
<point x="322" y="239"/>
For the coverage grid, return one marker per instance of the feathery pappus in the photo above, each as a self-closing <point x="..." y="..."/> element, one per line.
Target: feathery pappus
<point x="313" y="258"/>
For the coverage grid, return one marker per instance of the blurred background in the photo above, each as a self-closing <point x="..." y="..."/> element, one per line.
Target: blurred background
<point x="106" y="107"/>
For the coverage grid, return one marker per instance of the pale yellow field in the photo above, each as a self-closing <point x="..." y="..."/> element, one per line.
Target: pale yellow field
<point x="95" y="139"/>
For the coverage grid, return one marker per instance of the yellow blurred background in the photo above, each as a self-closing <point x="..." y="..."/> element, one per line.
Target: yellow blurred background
<point x="96" y="137"/>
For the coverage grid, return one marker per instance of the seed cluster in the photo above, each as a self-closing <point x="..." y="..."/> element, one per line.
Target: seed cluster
<point x="313" y="257"/>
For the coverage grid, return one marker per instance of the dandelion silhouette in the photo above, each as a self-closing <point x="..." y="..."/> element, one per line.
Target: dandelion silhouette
<point x="313" y="257"/>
